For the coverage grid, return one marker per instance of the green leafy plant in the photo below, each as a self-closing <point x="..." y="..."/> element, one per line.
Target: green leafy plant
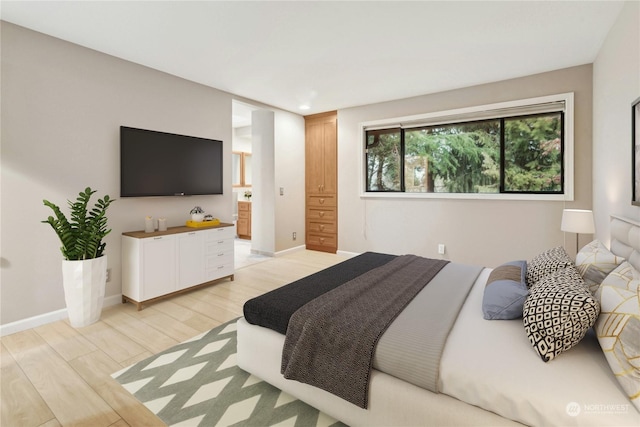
<point x="81" y="236"/>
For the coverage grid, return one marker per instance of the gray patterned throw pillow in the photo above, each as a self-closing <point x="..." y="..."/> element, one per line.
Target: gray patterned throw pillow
<point x="558" y="313"/>
<point x="546" y="263"/>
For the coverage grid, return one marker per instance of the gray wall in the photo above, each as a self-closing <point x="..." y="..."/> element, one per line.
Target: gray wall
<point x="62" y="106"/>
<point x="481" y="232"/>
<point x="616" y="84"/>
<point x="289" y="175"/>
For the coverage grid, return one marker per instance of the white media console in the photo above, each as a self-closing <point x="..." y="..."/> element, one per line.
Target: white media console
<point x="163" y="263"/>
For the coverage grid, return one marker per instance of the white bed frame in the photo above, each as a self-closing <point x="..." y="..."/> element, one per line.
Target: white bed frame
<point x="393" y="402"/>
<point x="625" y="239"/>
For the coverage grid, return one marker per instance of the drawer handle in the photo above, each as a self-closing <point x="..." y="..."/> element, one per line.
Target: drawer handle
<point x="220" y="267"/>
<point x="321" y="227"/>
<point x="221" y="254"/>
<point x="322" y="240"/>
<point x="220" y="241"/>
<point x="321" y="214"/>
<point x="157" y="238"/>
<point x="321" y="201"/>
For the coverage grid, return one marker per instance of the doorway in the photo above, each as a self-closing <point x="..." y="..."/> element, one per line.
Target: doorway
<point x="242" y="148"/>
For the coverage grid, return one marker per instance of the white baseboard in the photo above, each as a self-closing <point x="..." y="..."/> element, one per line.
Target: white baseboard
<point x="288" y="251"/>
<point x="351" y="254"/>
<point x="303" y="247"/>
<point x="263" y="253"/>
<point x="112" y="300"/>
<point x="54" y="316"/>
<point x="295" y="249"/>
<point x="43" y="319"/>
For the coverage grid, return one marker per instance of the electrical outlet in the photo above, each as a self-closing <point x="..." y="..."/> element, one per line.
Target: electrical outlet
<point x="282" y="191"/>
<point x="108" y="274"/>
<point x="294" y="235"/>
<point x="441" y="249"/>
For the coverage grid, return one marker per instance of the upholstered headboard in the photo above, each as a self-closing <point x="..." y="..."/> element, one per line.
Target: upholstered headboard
<point x="625" y="239"/>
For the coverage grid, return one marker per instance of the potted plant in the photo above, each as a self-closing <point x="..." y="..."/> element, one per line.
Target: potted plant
<point x="84" y="267"/>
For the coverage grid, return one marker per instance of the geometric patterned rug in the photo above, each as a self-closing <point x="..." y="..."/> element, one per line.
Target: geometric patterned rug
<point x="198" y="383"/>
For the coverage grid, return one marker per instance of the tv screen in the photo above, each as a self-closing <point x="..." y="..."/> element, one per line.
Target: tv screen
<point x="165" y="164"/>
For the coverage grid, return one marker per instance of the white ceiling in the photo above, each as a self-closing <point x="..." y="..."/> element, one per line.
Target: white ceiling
<point x="331" y="55"/>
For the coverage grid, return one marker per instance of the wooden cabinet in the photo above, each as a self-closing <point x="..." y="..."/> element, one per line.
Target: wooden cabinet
<point x="240" y="169"/>
<point x="160" y="264"/>
<point x="321" y="182"/>
<point x="244" y="220"/>
<point x="321" y="156"/>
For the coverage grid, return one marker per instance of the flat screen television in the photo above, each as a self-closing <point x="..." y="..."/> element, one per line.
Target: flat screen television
<point x="164" y="164"/>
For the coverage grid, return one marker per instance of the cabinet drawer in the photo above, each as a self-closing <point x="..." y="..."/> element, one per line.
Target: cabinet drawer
<point x="244" y="227"/>
<point x="328" y="214"/>
<point x="244" y="214"/>
<point x="320" y="201"/>
<point x="219" y="234"/>
<point x="219" y="258"/>
<point x="218" y="246"/>
<point x="219" y="266"/>
<point x="322" y="240"/>
<point x="218" y="271"/>
<point x="322" y="227"/>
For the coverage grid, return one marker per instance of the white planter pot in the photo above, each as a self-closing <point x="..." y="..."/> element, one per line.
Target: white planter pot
<point x="84" y="286"/>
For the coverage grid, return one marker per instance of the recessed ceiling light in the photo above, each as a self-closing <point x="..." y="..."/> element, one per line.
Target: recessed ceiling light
<point x="304" y="107"/>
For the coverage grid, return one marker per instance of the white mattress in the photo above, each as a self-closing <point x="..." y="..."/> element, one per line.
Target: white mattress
<point x="487" y="364"/>
<point x="491" y="364"/>
<point x="392" y="402"/>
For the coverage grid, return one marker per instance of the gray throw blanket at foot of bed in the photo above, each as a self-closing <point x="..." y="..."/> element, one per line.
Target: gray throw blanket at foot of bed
<point x="331" y="340"/>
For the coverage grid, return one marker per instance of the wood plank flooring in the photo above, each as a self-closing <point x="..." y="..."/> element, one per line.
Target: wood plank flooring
<point x="56" y="375"/>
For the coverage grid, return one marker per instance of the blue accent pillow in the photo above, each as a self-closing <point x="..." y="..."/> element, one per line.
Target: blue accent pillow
<point x="505" y="291"/>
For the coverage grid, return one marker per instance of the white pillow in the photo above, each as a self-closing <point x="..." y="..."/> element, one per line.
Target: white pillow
<point x="618" y="327"/>
<point x="595" y="262"/>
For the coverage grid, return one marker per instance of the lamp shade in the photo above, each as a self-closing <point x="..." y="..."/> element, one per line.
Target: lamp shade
<point x="577" y="221"/>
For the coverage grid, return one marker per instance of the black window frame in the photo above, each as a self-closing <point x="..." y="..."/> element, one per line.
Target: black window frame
<point x="501" y="186"/>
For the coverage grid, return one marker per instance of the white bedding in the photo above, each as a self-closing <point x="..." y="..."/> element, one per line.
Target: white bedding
<point x="392" y="402"/>
<point x="491" y="364"/>
<point x="477" y="371"/>
<point x="489" y="374"/>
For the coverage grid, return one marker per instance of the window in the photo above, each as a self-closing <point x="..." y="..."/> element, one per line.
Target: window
<point x="383" y="160"/>
<point x="241" y="169"/>
<point x="454" y="158"/>
<point x="516" y="149"/>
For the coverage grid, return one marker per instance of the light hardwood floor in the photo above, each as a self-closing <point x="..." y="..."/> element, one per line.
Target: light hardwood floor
<point x="55" y="375"/>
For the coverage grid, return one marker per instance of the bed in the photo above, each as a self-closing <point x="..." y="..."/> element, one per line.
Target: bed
<point x="490" y="372"/>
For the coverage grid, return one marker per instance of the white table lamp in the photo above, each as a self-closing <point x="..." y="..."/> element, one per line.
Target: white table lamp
<point x="577" y="221"/>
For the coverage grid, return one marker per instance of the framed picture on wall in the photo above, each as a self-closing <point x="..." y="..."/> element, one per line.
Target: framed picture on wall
<point x="635" y="151"/>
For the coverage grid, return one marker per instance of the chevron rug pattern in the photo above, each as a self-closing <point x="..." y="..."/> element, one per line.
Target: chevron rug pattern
<point x="198" y="383"/>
